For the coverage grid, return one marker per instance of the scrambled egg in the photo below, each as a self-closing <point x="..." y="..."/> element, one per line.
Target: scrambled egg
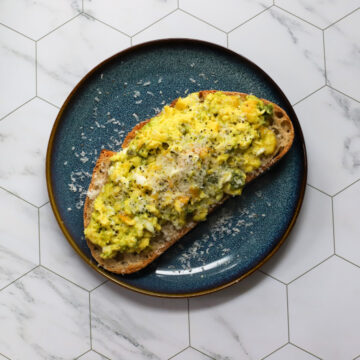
<point x="178" y="166"/>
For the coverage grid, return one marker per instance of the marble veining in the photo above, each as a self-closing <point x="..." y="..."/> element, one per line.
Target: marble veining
<point x="342" y="51"/>
<point x="36" y="18"/>
<point x="298" y="48"/>
<point x="217" y="13"/>
<point x="17" y="66"/>
<point x="66" y="55"/>
<point x="330" y="122"/>
<point x="43" y="303"/>
<point x="57" y="254"/>
<point x="25" y="135"/>
<point x="125" y="15"/>
<point x="18" y="250"/>
<point x="320" y="13"/>
<point x="122" y="320"/>
<point x="249" y="318"/>
<point x="45" y="316"/>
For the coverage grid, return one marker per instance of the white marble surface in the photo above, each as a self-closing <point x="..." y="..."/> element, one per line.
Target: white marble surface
<point x="63" y="259"/>
<point x="24" y="134"/>
<point x="66" y="55"/>
<point x="137" y="327"/>
<point x="250" y="319"/>
<point x="277" y="41"/>
<point x="217" y="12"/>
<point x="320" y="13"/>
<point x="302" y="305"/>
<point x="19" y="249"/>
<point x="43" y="315"/>
<point x="180" y="24"/>
<point x="331" y="126"/>
<point x="342" y="51"/>
<point x="37" y="18"/>
<point x="290" y="352"/>
<point x="17" y="70"/>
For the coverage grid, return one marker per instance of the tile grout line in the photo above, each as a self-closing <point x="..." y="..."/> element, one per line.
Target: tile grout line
<point x="48" y="202"/>
<point x="274" y="351"/>
<point x="300" y="348"/>
<point x="288" y="312"/>
<point x="345" y="188"/>
<point x="145" y="28"/>
<point x="246" y="21"/>
<point x="19" y="197"/>
<point x="47" y="101"/>
<point x="12" y="111"/>
<point x="188" y="313"/>
<point x="58" y="27"/>
<point x="333" y="223"/>
<point x="201" y="352"/>
<point x="39" y="236"/>
<point x="79" y="356"/>
<point x="64" y="278"/>
<point x="90" y="325"/>
<point x="314" y="267"/>
<point x="323" y="192"/>
<point x="342" y="18"/>
<point x="347" y="260"/>
<point x="101" y="354"/>
<point x="202" y="20"/>
<point x="18" y="278"/>
<point x="106" y="24"/>
<point x="324" y="51"/>
<point x="298" y="17"/>
<point x="342" y="93"/>
<point x="36" y="75"/>
<point x="178" y="353"/>
<point x="271" y="276"/>
<point x="18" y="32"/>
<point x="104" y="282"/>
<point x="307" y="96"/>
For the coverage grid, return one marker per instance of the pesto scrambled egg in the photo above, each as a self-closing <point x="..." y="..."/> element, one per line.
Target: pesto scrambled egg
<point x="180" y="164"/>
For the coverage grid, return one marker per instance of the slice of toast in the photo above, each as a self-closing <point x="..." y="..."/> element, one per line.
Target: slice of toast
<point x="127" y="263"/>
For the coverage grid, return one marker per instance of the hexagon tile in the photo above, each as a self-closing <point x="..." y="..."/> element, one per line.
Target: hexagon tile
<point x="330" y="122"/>
<point x="288" y="49"/>
<point x="17" y="70"/>
<point x="217" y="12"/>
<point x="39" y="17"/>
<point x="57" y="254"/>
<point x="190" y="28"/>
<point x="347" y="225"/>
<point x="137" y="327"/>
<point x="129" y="16"/>
<point x="319" y="13"/>
<point x="324" y="310"/>
<point x="245" y="321"/>
<point x="19" y="250"/>
<point x="343" y="55"/>
<point x="67" y="54"/>
<point x="43" y="317"/>
<point x="23" y="172"/>
<point x="310" y="242"/>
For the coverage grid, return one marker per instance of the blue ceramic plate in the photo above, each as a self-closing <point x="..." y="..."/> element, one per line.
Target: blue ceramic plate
<point x="132" y="86"/>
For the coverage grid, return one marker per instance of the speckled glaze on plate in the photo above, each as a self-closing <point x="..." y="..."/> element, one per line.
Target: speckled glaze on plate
<point x="133" y="85"/>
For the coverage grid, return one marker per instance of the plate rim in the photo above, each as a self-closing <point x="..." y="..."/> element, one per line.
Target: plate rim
<point x="90" y="262"/>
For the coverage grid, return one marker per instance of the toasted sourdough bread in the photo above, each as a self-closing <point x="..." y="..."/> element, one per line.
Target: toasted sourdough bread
<point x="128" y="263"/>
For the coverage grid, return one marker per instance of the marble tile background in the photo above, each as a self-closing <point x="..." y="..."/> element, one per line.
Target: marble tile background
<point x="302" y="305"/>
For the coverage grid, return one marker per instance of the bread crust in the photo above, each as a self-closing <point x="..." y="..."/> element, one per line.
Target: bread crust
<point x="129" y="263"/>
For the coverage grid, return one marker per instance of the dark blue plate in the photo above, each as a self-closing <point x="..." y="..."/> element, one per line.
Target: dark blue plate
<point x="132" y="86"/>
